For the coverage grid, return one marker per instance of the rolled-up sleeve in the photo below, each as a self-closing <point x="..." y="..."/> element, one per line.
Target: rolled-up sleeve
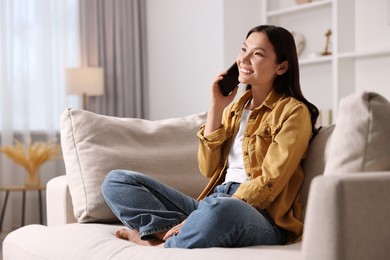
<point x="210" y="150"/>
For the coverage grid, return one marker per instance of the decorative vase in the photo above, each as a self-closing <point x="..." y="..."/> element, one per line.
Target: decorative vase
<point x="32" y="179"/>
<point x="299" y="41"/>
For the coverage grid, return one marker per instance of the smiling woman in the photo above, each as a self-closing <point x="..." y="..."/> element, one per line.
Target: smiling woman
<point x="250" y="149"/>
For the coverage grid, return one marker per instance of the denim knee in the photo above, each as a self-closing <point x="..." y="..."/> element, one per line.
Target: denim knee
<point x="212" y="224"/>
<point x="231" y="216"/>
<point x="224" y="208"/>
<point x="107" y="186"/>
<point x="224" y="222"/>
<point x="112" y="178"/>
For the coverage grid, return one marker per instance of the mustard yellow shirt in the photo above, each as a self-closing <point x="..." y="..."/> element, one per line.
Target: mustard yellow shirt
<point x="274" y="143"/>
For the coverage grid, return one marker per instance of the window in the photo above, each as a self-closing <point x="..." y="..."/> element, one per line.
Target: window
<point x="39" y="39"/>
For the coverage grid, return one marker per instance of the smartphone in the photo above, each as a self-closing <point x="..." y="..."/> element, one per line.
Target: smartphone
<point x="230" y="80"/>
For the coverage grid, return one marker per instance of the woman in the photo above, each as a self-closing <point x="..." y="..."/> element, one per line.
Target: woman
<point x="251" y="150"/>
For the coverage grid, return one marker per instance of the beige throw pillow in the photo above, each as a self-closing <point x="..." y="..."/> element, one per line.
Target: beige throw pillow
<point x="360" y="141"/>
<point x="315" y="161"/>
<point x="93" y="145"/>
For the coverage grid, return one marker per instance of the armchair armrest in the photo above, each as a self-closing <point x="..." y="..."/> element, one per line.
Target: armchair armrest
<point x="59" y="202"/>
<point x="348" y="217"/>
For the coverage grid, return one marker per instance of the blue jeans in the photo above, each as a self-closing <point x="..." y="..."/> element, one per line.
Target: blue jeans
<point x="147" y="205"/>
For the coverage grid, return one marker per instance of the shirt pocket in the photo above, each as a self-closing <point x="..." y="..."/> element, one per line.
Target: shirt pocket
<point x="263" y="138"/>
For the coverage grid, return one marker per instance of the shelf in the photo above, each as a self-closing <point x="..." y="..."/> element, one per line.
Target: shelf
<point x="327" y="79"/>
<point x="315" y="60"/>
<point x="364" y="54"/>
<point x="345" y="55"/>
<point x="299" y="8"/>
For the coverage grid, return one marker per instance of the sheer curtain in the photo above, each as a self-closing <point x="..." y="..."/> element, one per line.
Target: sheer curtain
<point x="39" y="39"/>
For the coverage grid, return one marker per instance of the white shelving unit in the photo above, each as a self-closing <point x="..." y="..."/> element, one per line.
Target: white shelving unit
<point x="298" y="8"/>
<point x="325" y="79"/>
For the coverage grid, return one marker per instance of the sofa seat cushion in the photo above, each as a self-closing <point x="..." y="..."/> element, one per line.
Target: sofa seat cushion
<point x="97" y="241"/>
<point x="93" y="145"/>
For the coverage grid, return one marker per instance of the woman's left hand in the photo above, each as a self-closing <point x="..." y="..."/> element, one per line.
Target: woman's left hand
<point x="174" y="231"/>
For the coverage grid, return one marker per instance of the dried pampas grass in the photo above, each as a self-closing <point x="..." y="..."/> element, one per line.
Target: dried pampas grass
<point x="31" y="156"/>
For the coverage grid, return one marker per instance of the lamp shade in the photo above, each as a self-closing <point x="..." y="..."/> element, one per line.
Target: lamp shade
<point x="87" y="80"/>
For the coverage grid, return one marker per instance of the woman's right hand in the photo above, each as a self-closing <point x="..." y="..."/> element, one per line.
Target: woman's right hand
<point x="218" y="103"/>
<point x="217" y="99"/>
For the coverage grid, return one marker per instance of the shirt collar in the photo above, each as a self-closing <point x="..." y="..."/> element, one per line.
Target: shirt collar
<point x="270" y="101"/>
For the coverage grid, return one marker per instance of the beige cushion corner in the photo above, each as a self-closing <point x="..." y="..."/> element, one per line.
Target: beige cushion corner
<point x="93" y="145"/>
<point x="315" y="161"/>
<point x="360" y="141"/>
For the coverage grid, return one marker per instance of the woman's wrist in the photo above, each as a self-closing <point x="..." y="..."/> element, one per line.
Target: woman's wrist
<point x="214" y="120"/>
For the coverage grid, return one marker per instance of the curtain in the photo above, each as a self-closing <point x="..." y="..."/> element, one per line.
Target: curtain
<point x="113" y="37"/>
<point x="39" y="39"/>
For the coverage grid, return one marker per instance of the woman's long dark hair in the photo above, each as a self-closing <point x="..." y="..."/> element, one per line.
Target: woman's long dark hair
<point x="285" y="50"/>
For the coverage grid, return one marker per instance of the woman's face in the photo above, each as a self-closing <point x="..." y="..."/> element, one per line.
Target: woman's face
<point x="257" y="61"/>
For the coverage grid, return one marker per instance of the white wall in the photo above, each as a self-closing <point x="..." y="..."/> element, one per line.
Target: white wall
<point x="239" y="18"/>
<point x="373" y="33"/>
<point x="189" y="43"/>
<point x="185" y="51"/>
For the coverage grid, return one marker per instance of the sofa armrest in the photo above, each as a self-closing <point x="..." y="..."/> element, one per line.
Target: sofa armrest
<point x="59" y="202"/>
<point x="348" y="217"/>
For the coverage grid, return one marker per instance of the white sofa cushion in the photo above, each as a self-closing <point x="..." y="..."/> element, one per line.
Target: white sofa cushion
<point x="93" y="145"/>
<point x="361" y="140"/>
<point x="98" y="241"/>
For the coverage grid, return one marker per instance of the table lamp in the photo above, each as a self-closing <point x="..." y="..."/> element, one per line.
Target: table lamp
<point x="85" y="81"/>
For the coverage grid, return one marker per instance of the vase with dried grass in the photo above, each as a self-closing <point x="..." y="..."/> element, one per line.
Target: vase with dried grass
<point x="31" y="157"/>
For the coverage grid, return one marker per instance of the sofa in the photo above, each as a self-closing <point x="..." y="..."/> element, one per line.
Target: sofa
<point x="345" y="193"/>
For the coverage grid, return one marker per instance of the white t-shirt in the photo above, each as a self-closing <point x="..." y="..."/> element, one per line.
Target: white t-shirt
<point x="236" y="170"/>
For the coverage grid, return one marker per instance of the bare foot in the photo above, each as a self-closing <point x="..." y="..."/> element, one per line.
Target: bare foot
<point x="133" y="236"/>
